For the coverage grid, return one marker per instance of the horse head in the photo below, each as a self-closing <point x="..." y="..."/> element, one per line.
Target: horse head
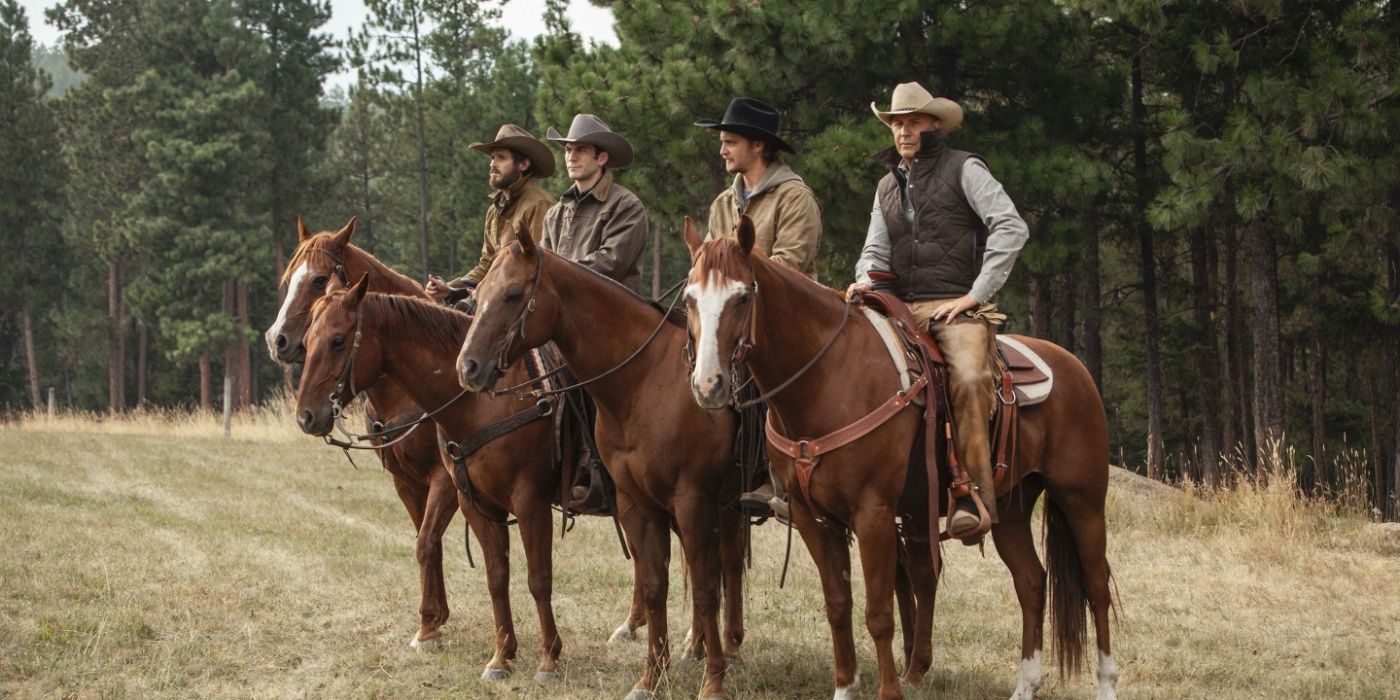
<point x="319" y="258"/>
<point x="341" y="358"/>
<point x="720" y="294"/>
<point x="513" y="313"/>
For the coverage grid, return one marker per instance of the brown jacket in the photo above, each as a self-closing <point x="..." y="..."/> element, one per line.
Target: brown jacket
<point x="524" y="206"/>
<point x="604" y="229"/>
<point x="785" y="213"/>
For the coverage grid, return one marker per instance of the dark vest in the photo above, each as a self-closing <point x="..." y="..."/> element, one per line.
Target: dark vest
<point x="939" y="254"/>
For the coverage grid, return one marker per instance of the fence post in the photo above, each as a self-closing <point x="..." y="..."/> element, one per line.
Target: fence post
<point x="228" y="404"/>
<point x="51" y="403"/>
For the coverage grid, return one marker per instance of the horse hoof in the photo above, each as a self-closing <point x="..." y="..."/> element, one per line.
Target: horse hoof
<point x="640" y="694"/>
<point x="495" y="674"/>
<point x="622" y="634"/>
<point x="429" y="644"/>
<point x="546" y="676"/>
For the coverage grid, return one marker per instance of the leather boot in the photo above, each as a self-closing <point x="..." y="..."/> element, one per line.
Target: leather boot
<point x="964" y="520"/>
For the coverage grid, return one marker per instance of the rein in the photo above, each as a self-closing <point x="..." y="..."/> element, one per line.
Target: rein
<point x="518" y="328"/>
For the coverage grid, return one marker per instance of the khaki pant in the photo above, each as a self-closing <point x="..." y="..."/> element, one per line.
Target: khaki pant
<point x="967" y="347"/>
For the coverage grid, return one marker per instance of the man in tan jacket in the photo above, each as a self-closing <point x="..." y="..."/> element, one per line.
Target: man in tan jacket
<point x="517" y="160"/>
<point x="787" y="220"/>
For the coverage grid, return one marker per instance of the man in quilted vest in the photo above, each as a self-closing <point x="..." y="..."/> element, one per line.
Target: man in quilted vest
<point x="948" y="231"/>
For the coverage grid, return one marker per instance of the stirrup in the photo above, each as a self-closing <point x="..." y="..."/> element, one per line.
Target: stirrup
<point x="984" y="519"/>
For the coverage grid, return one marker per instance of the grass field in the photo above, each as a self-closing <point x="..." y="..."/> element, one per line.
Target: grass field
<point x="154" y="558"/>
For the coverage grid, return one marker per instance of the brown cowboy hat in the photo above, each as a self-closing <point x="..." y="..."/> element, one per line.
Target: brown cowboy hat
<point x="593" y="131"/>
<point x="912" y="97"/>
<point x="517" y="139"/>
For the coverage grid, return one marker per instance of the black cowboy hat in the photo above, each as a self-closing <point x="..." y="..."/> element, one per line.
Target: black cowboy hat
<point x="749" y="118"/>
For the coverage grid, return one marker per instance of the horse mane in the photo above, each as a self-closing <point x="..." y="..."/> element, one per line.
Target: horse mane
<point x="319" y="244"/>
<point x="398" y="315"/>
<point x="676" y="317"/>
<point x="724" y="256"/>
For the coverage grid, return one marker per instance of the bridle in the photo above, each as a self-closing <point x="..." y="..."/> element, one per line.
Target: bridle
<point x="517" y="330"/>
<point x="745" y="346"/>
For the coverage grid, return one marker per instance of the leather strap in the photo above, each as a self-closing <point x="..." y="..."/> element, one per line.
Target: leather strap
<point x="806" y="453"/>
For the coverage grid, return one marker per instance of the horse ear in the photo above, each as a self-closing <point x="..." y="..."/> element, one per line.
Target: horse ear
<point x="746" y="234"/>
<point x="527" y="243"/>
<point x="357" y="292"/>
<point x="303" y="233"/>
<point x="692" y="237"/>
<point x="342" y="237"/>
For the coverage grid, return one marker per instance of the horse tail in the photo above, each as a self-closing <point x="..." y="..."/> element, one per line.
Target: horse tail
<point x="1069" y="604"/>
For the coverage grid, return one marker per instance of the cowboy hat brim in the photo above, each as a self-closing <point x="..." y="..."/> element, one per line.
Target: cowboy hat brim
<point x="619" y="150"/>
<point x="747" y="131"/>
<point x="947" y="111"/>
<point x="539" y="154"/>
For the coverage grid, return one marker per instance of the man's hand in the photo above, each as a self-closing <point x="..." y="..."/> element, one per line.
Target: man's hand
<point x="951" y="309"/>
<point x="855" y="290"/>
<point x="436" y="288"/>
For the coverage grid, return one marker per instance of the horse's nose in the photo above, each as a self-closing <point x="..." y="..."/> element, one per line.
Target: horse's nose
<point x="468" y="372"/>
<point x="306" y="419"/>
<point x="281" y="341"/>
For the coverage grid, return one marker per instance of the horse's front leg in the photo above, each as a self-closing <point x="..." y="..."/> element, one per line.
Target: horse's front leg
<point x="699" y="528"/>
<point x="650" y="540"/>
<point x="495" y="547"/>
<point x="875" y="531"/>
<point x="440" y="505"/>
<point x="536" y="534"/>
<point x="833" y="558"/>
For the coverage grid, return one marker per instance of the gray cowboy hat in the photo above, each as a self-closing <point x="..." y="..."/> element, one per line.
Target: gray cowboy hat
<point x="591" y="130"/>
<point x="912" y="97"/>
<point x="517" y="139"/>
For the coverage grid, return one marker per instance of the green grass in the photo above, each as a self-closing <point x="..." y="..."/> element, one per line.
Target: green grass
<point x="153" y="558"/>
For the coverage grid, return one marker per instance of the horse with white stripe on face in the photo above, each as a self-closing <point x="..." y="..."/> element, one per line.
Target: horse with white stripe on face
<point x="835" y="374"/>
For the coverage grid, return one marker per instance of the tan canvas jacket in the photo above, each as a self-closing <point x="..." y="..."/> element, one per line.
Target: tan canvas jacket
<point x="787" y="219"/>
<point x="604" y="229"/>
<point x="524" y="205"/>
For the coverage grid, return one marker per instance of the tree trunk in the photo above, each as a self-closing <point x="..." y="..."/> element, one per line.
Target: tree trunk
<point x="1039" y="303"/>
<point x="1207" y="391"/>
<point x="244" y="366"/>
<point x="116" y="347"/>
<point x="1091" y="301"/>
<point x="143" y="356"/>
<point x="1147" y="268"/>
<point x="1241" y="420"/>
<point x="655" y="261"/>
<point x="1321" y="475"/>
<point x="206" y="384"/>
<point x="1264" y="322"/>
<point x="422" y="145"/>
<point x="31" y="360"/>
<point x="1065" y="308"/>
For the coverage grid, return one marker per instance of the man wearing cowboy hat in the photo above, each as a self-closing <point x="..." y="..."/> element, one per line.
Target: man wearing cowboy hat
<point x="787" y="220"/>
<point x="597" y="222"/>
<point x="950" y="234"/>
<point x="517" y="159"/>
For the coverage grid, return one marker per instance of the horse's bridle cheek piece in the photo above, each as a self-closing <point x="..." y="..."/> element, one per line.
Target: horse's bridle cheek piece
<point x="347" y="375"/>
<point x="517" y="327"/>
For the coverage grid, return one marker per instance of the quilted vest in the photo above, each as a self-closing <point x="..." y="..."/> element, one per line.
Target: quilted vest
<point x="937" y="252"/>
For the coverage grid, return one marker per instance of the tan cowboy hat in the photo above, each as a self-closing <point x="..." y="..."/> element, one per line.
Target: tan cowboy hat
<point x="591" y="130"/>
<point x="912" y="97"/>
<point x="517" y="139"/>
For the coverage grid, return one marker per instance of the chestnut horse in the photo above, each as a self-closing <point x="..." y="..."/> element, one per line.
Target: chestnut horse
<point x="359" y="340"/>
<point x="783" y="320"/>
<point x="673" y="462"/>
<point x="419" y="476"/>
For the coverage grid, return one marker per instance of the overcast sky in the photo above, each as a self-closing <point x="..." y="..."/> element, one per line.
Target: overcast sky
<point x="524" y="19"/>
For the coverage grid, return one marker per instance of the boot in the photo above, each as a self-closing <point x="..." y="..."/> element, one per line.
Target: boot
<point x="965" y="519"/>
<point x="757" y="502"/>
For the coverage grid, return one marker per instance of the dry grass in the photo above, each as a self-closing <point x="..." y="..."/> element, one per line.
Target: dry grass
<point x="151" y="557"/>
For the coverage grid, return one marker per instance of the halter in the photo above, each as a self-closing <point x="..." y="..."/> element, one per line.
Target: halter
<point x="517" y="327"/>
